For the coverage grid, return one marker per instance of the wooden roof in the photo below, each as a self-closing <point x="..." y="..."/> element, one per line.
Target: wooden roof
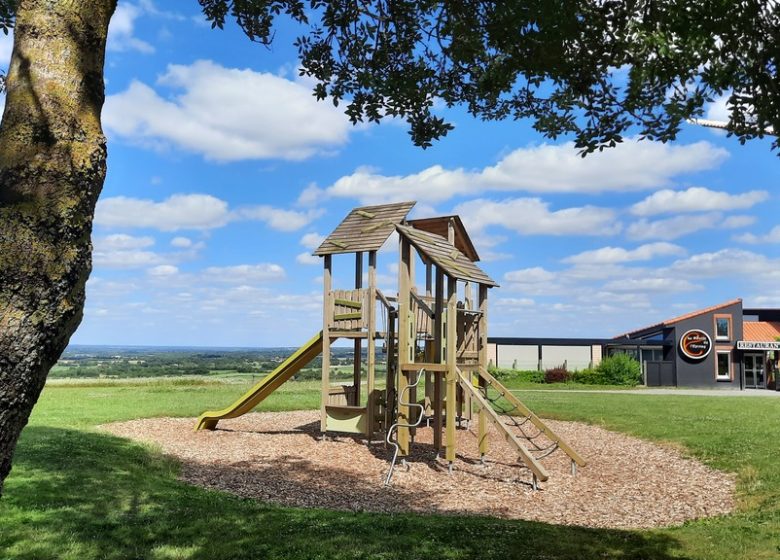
<point x="439" y="251"/>
<point x="439" y="226"/>
<point x="365" y="229"/>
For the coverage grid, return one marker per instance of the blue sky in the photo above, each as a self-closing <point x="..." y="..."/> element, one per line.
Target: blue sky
<point x="224" y="173"/>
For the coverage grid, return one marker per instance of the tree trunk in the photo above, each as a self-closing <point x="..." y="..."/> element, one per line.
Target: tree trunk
<point x="52" y="167"/>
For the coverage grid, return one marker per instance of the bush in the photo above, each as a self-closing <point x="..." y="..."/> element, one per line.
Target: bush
<point x="589" y="377"/>
<point x="620" y="369"/>
<point x="556" y="375"/>
<point x="525" y="376"/>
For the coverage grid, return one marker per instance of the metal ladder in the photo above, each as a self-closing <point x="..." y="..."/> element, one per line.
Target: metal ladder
<point x="394" y="428"/>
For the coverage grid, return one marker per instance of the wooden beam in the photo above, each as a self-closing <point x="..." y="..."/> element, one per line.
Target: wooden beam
<point x="371" y="363"/>
<point x="429" y="346"/>
<point x="358" y="344"/>
<point x="404" y="343"/>
<point x="483" y="352"/>
<point x="452" y="370"/>
<point x="438" y="333"/>
<point x="328" y="309"/>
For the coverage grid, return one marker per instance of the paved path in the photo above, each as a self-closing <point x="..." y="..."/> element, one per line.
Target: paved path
<point x="666" y="391"/>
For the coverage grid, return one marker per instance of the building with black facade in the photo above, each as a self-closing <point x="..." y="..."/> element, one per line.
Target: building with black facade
<point x="724" y="346"/>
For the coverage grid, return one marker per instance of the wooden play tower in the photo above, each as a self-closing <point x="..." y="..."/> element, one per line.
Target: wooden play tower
<point x="439" y="330"/>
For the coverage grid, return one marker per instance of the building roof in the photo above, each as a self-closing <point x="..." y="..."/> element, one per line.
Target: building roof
<point x="691" y="315"/>
<point x="440" y="226"/>
<point x="364" y="229"/>
<point x="761" y="331"/>
<point x="439" y="251"/>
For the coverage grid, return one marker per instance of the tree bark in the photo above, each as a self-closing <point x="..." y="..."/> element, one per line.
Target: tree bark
<point x="52" y="167"/>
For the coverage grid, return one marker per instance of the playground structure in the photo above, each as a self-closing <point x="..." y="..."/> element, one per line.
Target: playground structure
<point x="436" y="335"/>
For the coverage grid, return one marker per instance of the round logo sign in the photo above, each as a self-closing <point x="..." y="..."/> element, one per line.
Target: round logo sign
<point x="695" y="344"/>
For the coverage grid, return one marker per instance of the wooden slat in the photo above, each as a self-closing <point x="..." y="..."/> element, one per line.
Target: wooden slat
<point x="357" y="232"/>
<point x="349" y="303"/>
<point x="439" y="251"/>
<point x="346" y="316"/>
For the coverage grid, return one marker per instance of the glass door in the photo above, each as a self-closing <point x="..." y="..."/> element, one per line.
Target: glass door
<point x="754" y="371"/>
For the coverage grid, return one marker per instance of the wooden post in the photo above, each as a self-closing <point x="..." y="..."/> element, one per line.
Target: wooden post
<point x="356" y="374"/>
<point x="326" y="316"/>
<point x="451" y="355"/>
<point x="429" y="346"/>
<point x="371" y="365"/>
<point x="438" y="331"/>
<point x="404" y="344"/>
<point x="484" y="421"/>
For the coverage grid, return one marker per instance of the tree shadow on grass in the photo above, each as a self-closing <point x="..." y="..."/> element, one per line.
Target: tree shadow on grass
<point x="84" y="495"/>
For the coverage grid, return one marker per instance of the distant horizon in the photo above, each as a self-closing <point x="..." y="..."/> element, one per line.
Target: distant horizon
<point x="177" y="346"/>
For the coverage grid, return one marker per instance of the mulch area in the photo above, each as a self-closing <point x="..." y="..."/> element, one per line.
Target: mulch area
<point x="281" y="458"/>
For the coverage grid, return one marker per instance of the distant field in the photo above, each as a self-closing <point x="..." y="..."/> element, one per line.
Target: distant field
<point x="75" y="493"/>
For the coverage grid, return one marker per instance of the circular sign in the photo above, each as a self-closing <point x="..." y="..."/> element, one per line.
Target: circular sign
<point x="695" y="344"/>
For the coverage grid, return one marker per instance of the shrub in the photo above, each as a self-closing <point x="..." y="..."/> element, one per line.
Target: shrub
<point x="556" y="375"/>
<point x="620" y="369"/>
<point x="526" y="376"/>
<point x="589" y="377"/>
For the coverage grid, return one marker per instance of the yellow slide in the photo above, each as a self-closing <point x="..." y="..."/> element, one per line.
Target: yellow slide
<point x="270" y="383"/>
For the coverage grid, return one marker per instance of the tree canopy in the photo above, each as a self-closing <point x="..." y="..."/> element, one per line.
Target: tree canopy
<point x="593" y="70"/>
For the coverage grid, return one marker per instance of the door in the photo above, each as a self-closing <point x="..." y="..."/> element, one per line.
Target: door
<point x="754" y="371"/>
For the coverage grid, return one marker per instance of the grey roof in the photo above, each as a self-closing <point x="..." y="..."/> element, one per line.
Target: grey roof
<point x="439" y="251"/>
<point x="365" y="229"/>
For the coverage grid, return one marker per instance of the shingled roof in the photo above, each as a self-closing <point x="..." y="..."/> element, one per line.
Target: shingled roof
<point x="365" y="229"/>
<point x="439" y="251"/>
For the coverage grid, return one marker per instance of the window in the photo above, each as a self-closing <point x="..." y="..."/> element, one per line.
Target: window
<point x="722" y="327"/>
<point x="723" y="365"/>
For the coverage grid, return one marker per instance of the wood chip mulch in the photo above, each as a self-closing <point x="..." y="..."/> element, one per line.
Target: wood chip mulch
<point x="281" y="458"/>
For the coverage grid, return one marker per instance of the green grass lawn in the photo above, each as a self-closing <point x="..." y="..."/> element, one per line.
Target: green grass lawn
<point x="75" y="493"/>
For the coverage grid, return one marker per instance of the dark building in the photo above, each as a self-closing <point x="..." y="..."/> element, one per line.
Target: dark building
<point x="721" y="347"/>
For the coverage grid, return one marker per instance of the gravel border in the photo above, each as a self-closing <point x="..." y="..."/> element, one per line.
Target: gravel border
<point x="279" y="457"/>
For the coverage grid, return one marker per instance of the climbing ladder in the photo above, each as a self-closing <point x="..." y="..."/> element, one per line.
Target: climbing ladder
<point x="530" y="436"/>
<point x="394" y="428"/>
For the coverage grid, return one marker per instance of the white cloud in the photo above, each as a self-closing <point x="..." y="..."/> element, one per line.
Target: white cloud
<point x="632" y="165"/>
<point x="121" y="30"/>
<point x="121" y="241"/>
<point x="718" y="110"/>
<point x="773" y="236"/>
<point x="312" y="240"/>
<point x="6" y="48"/>
<point x="180" y="211"/>
<point x="227" y="114"/>
<point x="696" y="199"/>
<point x="163" y="271"/>
<point x="124" y="251"/>
<point x="679" y="226"/>
<point x="728" y="262"/>
<point x="612" y="255"/>
<point x="194" y="212"/>
<point x="278" y="218"/>
<point x="532" y="216"/>
<point x="534" y="275"/>
<point x="650" y="285"/>
<point x="245" y="273"/>
<point x="308" y="259"/>
<point x="181" y="242"/>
